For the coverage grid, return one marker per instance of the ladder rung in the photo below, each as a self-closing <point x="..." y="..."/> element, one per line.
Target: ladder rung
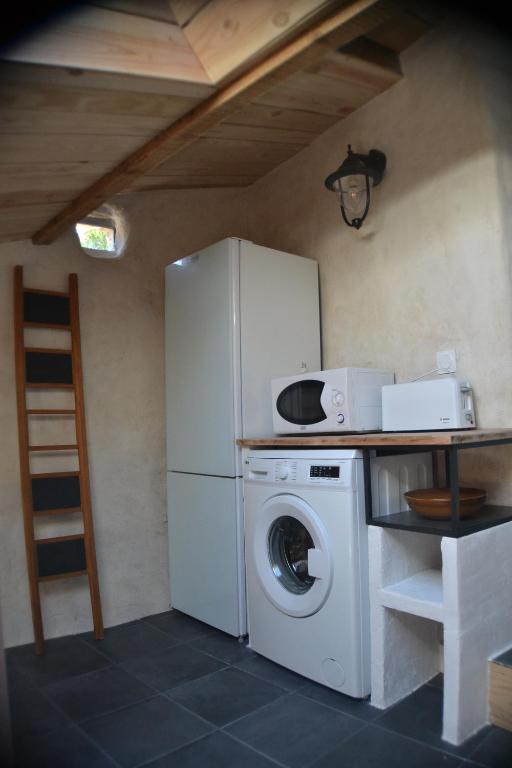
<point x="47" y="385"/>
<point x="73" y="473"/>
<point x="62" y="511"/>
<point x="58" y="539"/>
<point x="53" y="326"/>
<point x="66" y="575"/>
<point x="46" y="292"/>
<point x="73" y="447"/>
<point x="48" y="350"/>
<point x="51" y="412"/>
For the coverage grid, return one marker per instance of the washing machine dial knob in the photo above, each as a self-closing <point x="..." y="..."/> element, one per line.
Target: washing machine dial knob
<point x="283" y="472"/>
<point x="337" y="397"/>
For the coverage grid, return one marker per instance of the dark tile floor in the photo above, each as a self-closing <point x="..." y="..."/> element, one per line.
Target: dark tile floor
<point x="170" y="692"/>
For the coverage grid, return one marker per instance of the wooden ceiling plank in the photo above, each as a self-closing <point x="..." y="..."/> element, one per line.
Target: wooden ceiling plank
<point x="345" y="69"/>
<point x="26" y="150"/>
<point x="191" y="181"/>
<point x="15" y="215"/>
<point x="227" y="34"/>
<point x="185" y="10"/>
<point x="261" y="115"/>
<point x="338" y="29"/>
<point x="218" y="153"/>
<point x="359" y="67"/>
<point x="27" y="184"/>
<point x="325" y="95"/>
<point x="257" y="133"/>
<point x="88" y="101"/>
<point x="159" y="10"/>
<point x="31" y="197"/>
<point x="23" y="74"/>
<point x="18" y="223"/>
<point x="100" y="39"/>
<point x="28" y="121"/>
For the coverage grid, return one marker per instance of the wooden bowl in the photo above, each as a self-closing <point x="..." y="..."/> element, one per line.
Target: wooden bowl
<point x="435" y="503"/>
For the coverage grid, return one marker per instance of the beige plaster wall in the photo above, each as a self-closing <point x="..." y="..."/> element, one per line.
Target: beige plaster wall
<point x="121" y="306"/>
<point x="430" y="268"/>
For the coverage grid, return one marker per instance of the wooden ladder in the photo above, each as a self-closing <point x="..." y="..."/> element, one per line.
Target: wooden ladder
<point x="53" y="493"/>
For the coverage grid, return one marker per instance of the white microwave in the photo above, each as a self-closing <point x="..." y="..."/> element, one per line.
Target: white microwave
<point x="339" y="400"/>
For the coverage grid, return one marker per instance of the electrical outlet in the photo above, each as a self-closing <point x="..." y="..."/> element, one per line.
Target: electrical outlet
<point x="447" y="361"/>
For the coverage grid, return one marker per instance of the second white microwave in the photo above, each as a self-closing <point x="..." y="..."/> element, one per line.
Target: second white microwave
<point x="338" y="400"/>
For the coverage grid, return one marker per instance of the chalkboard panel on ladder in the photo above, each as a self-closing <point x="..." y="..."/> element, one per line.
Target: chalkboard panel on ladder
<point x="53" y="494"/>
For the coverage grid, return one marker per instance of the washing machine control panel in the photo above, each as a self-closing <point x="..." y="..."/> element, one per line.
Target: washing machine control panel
<point x="329" y="473"/>
<point x="322" y="471"/>
<point x="285" y="471"/>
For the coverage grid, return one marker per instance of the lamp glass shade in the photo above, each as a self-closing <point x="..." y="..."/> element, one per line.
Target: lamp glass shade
<point x="353" y="192"/>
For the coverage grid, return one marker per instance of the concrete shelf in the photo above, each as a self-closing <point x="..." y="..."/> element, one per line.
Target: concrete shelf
<point x="427" y="587"/>
<point x="420" y="594"/>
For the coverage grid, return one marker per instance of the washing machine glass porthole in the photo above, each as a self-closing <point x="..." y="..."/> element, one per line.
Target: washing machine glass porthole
<point x="288" y="544"/>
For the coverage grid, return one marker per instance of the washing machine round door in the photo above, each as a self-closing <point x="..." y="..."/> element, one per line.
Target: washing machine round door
<point x="291" y="555"/>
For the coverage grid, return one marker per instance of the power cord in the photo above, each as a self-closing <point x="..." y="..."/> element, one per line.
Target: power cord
<point x="442" y="371"/>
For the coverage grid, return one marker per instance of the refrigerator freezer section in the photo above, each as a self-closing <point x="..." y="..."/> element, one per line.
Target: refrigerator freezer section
<point x="206" y="541"/>
<point x="280" y="327"/>
<point x="202" y="379"/>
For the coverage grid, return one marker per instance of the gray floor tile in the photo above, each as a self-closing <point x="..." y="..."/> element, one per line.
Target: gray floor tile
<point x="356" y="707"/>
<point x="294" y="730"/>
<point x="495" y="750"/>
<point x="128" y="641"/>
<point x="172" y="667"/>
<point x="63" y="657"/>
<point x="215" y="751"/>
<point x="376" y="748"/>
<point x="225" y="696"/>
<point x="437" y="681"/>
<point x="145" y="731"/>
<point x="272" y="673"/>
<point x="99" y="692"/>
<point x="68" y="748"/>
<point x="224" y="647"/>
<point x="180" y="627"/>
<point x="31" y="711"/>
<point x="420" y="717"/>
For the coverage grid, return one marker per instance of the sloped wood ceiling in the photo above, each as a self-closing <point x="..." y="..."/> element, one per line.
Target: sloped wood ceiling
<point x="126" y="95"/>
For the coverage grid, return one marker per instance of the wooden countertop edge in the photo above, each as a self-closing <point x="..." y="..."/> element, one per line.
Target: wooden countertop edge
<point x="379" y="439"/>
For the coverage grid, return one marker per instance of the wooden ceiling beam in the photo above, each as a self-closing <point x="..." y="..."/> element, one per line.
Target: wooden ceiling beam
<point x="338" y="29"/>
<point x="93" y="38"/>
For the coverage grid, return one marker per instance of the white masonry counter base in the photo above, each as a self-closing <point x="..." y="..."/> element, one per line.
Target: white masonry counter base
<point x="427" y="590"/>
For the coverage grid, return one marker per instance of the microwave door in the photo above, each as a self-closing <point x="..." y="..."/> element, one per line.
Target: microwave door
<point x="301" y="402"/>
<point x="326" y="402"/>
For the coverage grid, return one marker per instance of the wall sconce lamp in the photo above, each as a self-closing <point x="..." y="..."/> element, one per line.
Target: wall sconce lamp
<point x="353" y="181"/>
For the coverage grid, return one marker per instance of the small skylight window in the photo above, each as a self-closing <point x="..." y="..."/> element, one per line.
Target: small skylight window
<point x="103" y="234"/>
<point x="95" y="237"/>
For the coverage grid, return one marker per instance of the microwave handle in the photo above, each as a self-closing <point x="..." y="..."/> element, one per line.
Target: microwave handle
<point x="467" y="398"/>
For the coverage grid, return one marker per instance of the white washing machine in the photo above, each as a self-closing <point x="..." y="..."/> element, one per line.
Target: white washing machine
<point x="307" y="564"/>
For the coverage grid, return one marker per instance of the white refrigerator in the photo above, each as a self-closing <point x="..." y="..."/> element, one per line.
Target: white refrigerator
<point x="236" y="316"/>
